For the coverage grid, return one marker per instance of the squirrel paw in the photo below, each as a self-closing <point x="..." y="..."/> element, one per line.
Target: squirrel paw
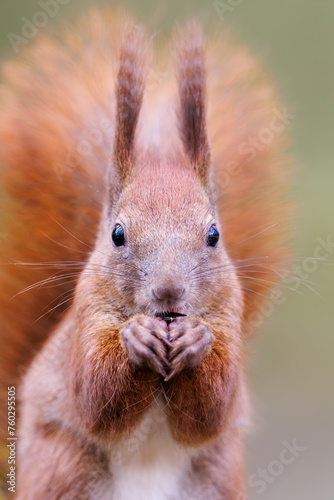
<point x="191" y="339"/>
<point x="145" y="340"/>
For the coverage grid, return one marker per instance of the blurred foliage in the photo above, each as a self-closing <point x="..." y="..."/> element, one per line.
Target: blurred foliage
<point x="291" y="369"/>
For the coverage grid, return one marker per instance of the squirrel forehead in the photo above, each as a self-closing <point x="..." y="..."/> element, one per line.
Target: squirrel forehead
<point x="166" y="191"/>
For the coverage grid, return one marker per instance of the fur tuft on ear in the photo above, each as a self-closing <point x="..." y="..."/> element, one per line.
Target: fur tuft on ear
<point x="191" y="79"/>
<point x="129" y="97"/>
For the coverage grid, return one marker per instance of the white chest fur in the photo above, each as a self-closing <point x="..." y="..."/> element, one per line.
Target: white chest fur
<point x="148" y="464"/>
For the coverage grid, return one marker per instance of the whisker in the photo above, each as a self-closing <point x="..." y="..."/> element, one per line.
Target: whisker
<point x="68" y="299"/>
<point x="65" y="293"/>
<point x="254" y="235"/>
<point x="76" y="238"/>
<point x="307" y="283"/>
<point x="71" y="234"/>
<point x="62" y="244"/>
<point x="257" y="281"/>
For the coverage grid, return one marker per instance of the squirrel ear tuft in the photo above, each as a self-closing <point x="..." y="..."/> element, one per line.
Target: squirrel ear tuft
<point x="129" y="96"/>
<point x="191" y="79"/>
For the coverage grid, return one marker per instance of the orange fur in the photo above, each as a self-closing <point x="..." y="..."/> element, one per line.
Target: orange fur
<point x="62" y="124"/>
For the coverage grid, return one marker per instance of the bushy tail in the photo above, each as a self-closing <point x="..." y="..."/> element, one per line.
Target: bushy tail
<point x="248" y="127"/>
<point x="56" y="136"/>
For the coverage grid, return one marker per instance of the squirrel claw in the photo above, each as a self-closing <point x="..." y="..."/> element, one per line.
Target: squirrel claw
<point x="170" y="375"/>
<point x="162" y="373"/>
<point x="166" y="341"/>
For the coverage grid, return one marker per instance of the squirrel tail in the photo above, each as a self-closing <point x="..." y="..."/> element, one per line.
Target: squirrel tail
<point x="55" y="138"/>
<point x="248" y="126"/>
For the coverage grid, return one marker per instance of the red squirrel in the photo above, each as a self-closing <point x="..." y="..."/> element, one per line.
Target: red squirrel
<point x="144" y="223"/>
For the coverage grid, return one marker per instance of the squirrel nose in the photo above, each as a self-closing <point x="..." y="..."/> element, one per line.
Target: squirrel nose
<point x="168" y="292"/>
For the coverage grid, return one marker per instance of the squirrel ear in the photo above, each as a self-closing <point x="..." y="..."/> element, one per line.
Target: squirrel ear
<point x="129" y="96"/>
<point x="191" y="79"/>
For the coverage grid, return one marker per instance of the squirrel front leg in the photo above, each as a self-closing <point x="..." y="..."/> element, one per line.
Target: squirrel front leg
<point x="205" y="364"/>
<point x="117" y="369"/>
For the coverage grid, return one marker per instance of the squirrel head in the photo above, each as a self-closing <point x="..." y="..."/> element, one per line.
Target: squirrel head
<point x="160" y="241"/>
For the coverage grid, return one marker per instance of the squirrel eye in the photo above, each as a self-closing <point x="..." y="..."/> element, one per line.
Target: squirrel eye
<point x="118" y="236"/>
<point x="213" y="236"/>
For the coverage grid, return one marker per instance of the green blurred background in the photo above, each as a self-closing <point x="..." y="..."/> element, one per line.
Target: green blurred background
<point x="291" y="369"/>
